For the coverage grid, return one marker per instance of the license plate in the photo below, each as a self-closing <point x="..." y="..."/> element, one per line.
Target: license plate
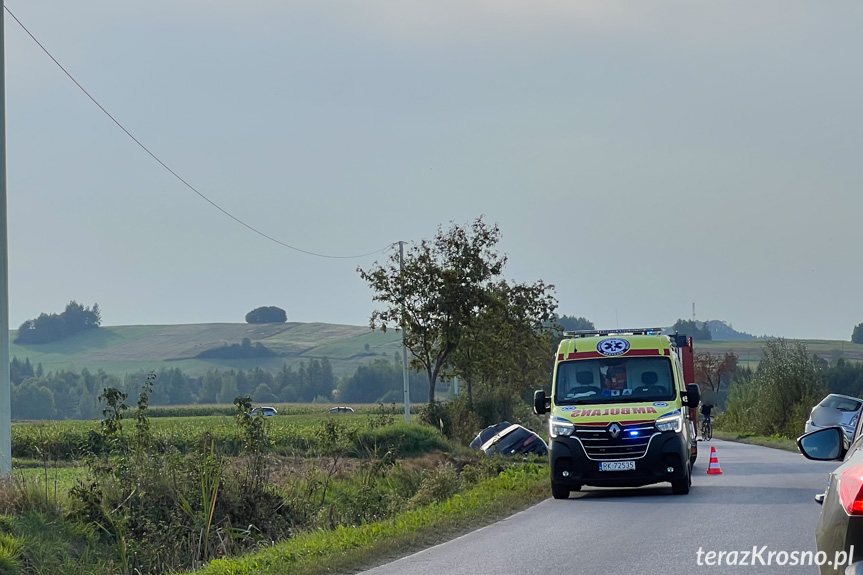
<point x="616" y="465"/>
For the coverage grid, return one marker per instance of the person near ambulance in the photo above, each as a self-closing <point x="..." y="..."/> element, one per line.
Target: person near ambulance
<point x="706" y="411"/>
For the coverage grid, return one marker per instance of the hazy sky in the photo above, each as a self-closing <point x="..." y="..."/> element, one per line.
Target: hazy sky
<point x="640" y="155"/>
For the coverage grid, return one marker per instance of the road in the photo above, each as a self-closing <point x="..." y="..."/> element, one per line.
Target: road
<point x="764" y="497"/>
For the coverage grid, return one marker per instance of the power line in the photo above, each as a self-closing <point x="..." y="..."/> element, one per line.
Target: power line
<point x="172" y="172"/>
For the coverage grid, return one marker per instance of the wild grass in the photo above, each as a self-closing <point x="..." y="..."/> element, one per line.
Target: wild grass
<point x="356" y="547"/>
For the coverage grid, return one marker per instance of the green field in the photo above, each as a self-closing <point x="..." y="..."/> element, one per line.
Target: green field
<point x="749" y="351"/>
<point x="129" y="349"/>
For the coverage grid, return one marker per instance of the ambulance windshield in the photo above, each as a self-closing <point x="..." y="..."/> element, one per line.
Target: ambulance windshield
<point x="614" y="380"/>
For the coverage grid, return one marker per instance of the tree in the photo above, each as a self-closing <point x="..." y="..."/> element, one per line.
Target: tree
<point x="269" y="314"/>
<point x="690" y="328"/>
<point x="857" y="334"/>
<point x="575" y="323"/>
<point x="328" y="379"/>
<point x="263" y="394"/>
<point x="210" y="387"/>
<point x="228" y="393"/>
<point x="711" y="370"/>
<point x="31" y="400"/>
<point x="443" y="285"/>
<point x="179" y="391"/>
<point x="507" y="347"/>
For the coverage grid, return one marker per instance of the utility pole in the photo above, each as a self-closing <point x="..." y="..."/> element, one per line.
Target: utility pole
<point x="5" y="368"/>
<point x="404" y="336"/>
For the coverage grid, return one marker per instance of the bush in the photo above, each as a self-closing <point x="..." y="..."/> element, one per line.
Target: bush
<point x="437" y="415"/>
<point x="438" y="485"/>
<point x="401" y="440"/>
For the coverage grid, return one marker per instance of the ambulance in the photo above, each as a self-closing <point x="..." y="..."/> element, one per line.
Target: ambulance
<point x="621" y="410"/>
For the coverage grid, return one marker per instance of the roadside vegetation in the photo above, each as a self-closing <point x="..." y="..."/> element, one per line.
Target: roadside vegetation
<point x="152" y="496"/>
<point x="771" y="403"/>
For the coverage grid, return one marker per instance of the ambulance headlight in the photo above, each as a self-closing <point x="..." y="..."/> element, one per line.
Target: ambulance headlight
<point x="564" y="428"/>
<point x="670" y="423"/>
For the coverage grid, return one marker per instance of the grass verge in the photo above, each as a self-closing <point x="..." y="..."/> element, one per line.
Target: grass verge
<point x="775" y="442"/>
<point x="344" y="550"/>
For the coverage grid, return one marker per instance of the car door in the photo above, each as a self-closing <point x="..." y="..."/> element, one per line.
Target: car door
<point x="836" y="530"/>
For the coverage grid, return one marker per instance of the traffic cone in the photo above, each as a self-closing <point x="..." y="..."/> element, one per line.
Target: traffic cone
<point x="714" y="468"/>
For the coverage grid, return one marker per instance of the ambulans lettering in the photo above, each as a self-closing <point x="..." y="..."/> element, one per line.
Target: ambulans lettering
<point x="611" y="411"/>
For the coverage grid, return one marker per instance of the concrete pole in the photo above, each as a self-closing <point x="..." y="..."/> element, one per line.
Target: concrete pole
<point x="404" y="335"/>
<point x="5" y="373"/>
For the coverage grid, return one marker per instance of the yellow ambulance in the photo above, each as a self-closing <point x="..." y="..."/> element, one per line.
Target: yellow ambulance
<point x="619" y="410"/>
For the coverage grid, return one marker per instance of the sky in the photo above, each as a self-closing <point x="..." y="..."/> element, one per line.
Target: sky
<point x="641" y="156"/>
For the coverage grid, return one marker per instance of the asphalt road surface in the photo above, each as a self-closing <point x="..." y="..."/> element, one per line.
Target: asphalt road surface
<point x="763" y="500"/>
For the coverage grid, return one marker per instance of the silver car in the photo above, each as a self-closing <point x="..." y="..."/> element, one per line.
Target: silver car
<point x="833" y="410"/>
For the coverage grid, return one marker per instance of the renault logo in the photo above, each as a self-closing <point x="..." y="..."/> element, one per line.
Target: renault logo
<point x="614" y="430"/>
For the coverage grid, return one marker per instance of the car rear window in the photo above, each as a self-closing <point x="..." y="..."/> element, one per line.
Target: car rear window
<point x="841" y="403"/>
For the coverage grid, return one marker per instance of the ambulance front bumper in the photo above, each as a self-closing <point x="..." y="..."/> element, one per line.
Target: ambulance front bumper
<point x="665" y="459"/>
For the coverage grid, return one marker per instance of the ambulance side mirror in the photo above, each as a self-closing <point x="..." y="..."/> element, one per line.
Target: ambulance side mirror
<point x="541" y="403"/>
<point x="693" y="395"/>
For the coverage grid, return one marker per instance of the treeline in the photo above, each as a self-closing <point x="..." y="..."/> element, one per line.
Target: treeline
<point x="845" y="377"/>
<point x="54" y="327"/>
<point x="67" y="394"/>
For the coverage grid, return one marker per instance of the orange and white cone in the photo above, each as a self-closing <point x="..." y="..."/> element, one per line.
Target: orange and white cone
<point x="714" y="468"/>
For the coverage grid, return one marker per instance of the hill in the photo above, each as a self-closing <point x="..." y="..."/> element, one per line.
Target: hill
<point x="127" y="349"/>
<point x="721" y="331"/>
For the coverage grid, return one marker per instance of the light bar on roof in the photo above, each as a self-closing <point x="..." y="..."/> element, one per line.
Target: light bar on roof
<point x="630" y="331"/>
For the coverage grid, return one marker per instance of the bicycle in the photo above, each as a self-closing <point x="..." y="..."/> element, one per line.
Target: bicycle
<point x="707" y="429"/>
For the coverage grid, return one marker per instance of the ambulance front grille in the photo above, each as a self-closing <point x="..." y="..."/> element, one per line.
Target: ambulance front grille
<point x="631" y="443"/>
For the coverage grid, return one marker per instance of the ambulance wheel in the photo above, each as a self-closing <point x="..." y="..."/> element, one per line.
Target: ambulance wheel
<point x="681" y="486"/>
<point x="560" y="491"/>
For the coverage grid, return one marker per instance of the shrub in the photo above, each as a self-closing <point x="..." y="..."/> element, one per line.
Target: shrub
<point x="400" y="439"/>
<point x="437" y="415"/>
<point x="438" y="485"/>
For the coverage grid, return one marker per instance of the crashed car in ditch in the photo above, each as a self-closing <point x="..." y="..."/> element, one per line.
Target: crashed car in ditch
<point x="508" y="439"/>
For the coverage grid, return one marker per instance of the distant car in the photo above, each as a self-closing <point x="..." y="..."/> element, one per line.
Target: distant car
<point x="835" y="409"/>
<point x="508" y="439"/>
<point x="265" y="411"/>
<point x="341" y="409"/>
<point x="840" y="525"/>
